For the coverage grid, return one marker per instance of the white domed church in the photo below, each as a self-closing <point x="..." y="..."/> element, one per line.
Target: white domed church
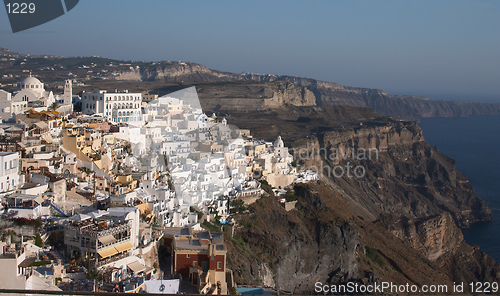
<point x="31" y="94"/>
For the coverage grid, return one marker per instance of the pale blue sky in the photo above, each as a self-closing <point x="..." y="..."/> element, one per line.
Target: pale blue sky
<point x="442" y="49"/>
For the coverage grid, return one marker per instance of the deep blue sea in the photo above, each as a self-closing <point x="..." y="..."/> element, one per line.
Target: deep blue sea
<point x="474" y="143"/>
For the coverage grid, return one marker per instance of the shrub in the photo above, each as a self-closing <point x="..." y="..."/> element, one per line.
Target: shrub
<point x="240" y="240"/>
<point x="239" y="205"/>
<point x="38" y="240"/>
<point x="40" y="263"/>
<point x="266" y="187"/>
<point x="374" y="256"/>
<point x="290" y="196"/>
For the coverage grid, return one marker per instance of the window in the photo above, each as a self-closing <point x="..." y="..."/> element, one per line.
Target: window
<point x="195" y="263"/>
<point x="219" y="265"/>
<point x="188" y="256"/>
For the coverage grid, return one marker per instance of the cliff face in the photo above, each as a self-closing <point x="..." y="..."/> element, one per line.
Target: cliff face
<point x="433" y="236"/>
<point x="322" y="241"/>
<point x="320" y="92"/>
<point x="290" y="250"/>
<point x="402" y="174"/>
<point x="397" y="223"/>
<point x="441" y="241"/>
<point x="256" y="96"/>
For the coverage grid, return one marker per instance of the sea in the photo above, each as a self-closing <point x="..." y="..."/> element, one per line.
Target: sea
<point x="474" y="143"/>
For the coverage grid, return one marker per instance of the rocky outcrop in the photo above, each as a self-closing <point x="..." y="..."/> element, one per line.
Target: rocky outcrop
<point x="435" y="236"/>
<point x="297" y="247"/>
<point x="288" y="93"/>
<point x="256" y="96"/>
<point x="176" y="72"/>
<point x="439" y="239"/>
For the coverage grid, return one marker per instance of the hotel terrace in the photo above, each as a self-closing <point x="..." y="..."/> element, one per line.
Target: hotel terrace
<point x="101" y="241"/>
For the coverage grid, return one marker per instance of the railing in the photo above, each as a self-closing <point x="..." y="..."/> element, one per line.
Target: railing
<point x="100" y="248"/>
<point x="111" y="259"/>
<point x="98" y="233"/>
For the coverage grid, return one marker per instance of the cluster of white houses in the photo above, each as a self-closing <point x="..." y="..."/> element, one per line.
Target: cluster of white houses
<point x="162" y="162"/>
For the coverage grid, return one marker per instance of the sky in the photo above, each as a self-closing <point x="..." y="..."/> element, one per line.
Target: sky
<point x="446" y="50"/>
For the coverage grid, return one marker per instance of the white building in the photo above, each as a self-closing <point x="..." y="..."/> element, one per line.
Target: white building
<point x="116" y="107"/>
<point x="9" y="171"/>
<point x="31" y="94"/>
<point x="16" y="270"/>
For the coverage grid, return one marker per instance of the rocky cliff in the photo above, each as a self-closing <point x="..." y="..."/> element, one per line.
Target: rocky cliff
<point x="289" y="250"/>
<point x="397" y="223"/>
<point x="441" y="241"/>
<point x="434" y="236"/>
<point x="322" y="241"/>
<point x="402" y="174"/>
<point x="255" y="96"/>
<point x="321" y="92"/>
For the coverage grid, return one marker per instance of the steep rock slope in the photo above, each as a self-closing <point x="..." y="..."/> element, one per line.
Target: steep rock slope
<point x="441" y="241"/>
<point x="402" y="174"/>
<point x="287" y="251"/>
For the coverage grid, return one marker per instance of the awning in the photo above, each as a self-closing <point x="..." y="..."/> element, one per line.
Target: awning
<point x="42" y="125"/>
<point x="124" y="247"/>
<point x="25" y="263"/>
<point x="107" y="253"/>
<point x="107" y="239"/>
<point x="136" y="267"/>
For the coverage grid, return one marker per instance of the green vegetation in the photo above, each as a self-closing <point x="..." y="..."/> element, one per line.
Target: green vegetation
<point x="94" y="274"/>
<point x="239" y="206"/>
<point x="40" y="263"/>
<point x="38" y="240"/>
<point x="54" y="106"/>
<point x="240" y="240"/>
<point x="36" y="223"/>
<point x="210" y="226"/>
<point x="290" y="195"/>
<point x="266" y="187"/>
<point x="374" y="256"/>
